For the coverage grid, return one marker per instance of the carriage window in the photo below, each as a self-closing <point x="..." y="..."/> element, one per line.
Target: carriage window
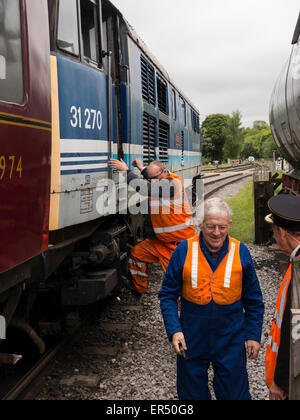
<point x="174" y="111"/>
<point x="89" y="25"/>
<point x="11" y="62"/>
<point x="67" y="35"/>
<point x="195" y="122"/>
<point x="183" y="110"/>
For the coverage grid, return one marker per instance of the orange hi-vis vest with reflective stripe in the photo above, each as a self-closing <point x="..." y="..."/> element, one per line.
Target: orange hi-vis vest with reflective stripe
<point x="275" y="333"/>
<point x="201" y="284"/>
<point x="172" y="218"/>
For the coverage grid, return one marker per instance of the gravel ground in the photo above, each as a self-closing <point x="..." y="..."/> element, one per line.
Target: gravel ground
<point x="125" y="354"/>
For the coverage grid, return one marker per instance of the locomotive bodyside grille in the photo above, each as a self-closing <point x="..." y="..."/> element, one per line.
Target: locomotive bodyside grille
<point x="163" y="141"/>
<point x="149" y="138"/>
<point x="148" y="81"/>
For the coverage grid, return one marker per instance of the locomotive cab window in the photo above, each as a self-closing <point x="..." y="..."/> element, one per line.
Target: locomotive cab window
<point x="11" y="60"/>
<point x="67" y="34"/>
<point x="78" y="30"/>
<point x="90" y="30"/>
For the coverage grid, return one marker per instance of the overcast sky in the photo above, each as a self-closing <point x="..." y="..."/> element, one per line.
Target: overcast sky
<point x="223" y="54"/>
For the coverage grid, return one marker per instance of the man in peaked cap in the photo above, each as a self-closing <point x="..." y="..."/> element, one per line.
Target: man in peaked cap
<point x="285" y="209"/>
<point x="285" y="219"/>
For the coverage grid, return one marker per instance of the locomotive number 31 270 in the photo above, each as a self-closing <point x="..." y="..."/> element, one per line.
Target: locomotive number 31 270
<point x="90" y="119"/>
<point x="10" y="166"/>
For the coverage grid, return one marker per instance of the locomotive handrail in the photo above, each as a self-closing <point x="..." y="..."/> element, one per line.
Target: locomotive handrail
<point x="109" y="108"/>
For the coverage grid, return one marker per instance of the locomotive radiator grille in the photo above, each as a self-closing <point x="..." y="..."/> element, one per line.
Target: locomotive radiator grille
<point x="163" y="141"/>
<point x="149" y="138"/>
<point x="148" y="81"/>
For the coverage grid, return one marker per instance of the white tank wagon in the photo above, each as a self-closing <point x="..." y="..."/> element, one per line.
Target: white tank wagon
<point x="285" y="113"/>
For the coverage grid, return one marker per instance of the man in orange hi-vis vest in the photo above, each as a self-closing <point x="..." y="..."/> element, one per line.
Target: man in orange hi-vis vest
<point x="285" y="219"/>
<point x="221" y="309"/>
<point x="169" y="220"/>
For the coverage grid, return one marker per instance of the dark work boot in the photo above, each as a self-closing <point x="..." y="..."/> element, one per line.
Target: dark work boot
<point x="128" y="284"/>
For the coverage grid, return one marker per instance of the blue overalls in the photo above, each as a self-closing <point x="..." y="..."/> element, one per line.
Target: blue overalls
<point x="214" y="333"/>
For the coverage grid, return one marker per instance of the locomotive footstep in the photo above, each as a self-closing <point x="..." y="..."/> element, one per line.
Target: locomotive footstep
<point x="9" y="359"/>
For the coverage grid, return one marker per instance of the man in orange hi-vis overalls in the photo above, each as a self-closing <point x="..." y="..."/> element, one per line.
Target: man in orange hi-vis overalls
<point x="168" y="223"/>
<point x="285" y="219"/>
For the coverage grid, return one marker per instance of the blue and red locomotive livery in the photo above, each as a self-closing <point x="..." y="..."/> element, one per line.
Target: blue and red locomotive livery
<point x="77" y="87"/>
<point x="25" y="124"/>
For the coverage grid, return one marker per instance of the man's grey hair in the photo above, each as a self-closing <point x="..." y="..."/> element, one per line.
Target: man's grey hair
<point x="159" y="164"/>
<point x="214" y="207"/>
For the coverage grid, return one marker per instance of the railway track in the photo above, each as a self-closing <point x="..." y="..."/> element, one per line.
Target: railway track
<point x="229" y="168"/>
<point x="216" y="182"/>
<point x="25" y="386"/>
<point x="23" y="389"/>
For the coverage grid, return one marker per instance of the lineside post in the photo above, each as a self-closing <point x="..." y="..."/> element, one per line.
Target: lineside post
<point x="295" y="332"/>
<point x="263" y="191"/>
<point x="264" y="187"/>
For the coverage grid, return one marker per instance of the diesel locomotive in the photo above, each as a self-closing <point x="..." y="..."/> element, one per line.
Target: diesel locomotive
<point x="77" y="87"/>
<point x="285" y="114"/>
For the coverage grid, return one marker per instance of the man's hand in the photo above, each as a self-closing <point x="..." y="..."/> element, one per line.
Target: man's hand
<point x="119" y="165"/>
<point x="276" y="393"/>
<point x="137" y="163"/>
<point x="253" y="348"/>
<point x="177" y="339"/>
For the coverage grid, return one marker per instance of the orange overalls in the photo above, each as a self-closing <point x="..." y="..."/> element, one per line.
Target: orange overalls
<point x="172" y="223"/>
<point x="275" y="333"/>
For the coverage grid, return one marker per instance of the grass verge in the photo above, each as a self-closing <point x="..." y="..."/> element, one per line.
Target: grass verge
<point x="242" y="205"/>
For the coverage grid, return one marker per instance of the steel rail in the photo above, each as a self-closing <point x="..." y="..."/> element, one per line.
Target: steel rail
<point x="21" y="389"/>
<point x="214" y="190"/>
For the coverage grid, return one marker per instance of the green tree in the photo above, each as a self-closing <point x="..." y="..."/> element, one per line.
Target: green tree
<point x="214" y="131"/>
<point x="259" y="124"/>
<point x="268" y="145"/>
<point x="251" y="147"/>
<point x="224" y="137"/>
<point x="259" y="141"/>
<point x="234" y="139"/>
